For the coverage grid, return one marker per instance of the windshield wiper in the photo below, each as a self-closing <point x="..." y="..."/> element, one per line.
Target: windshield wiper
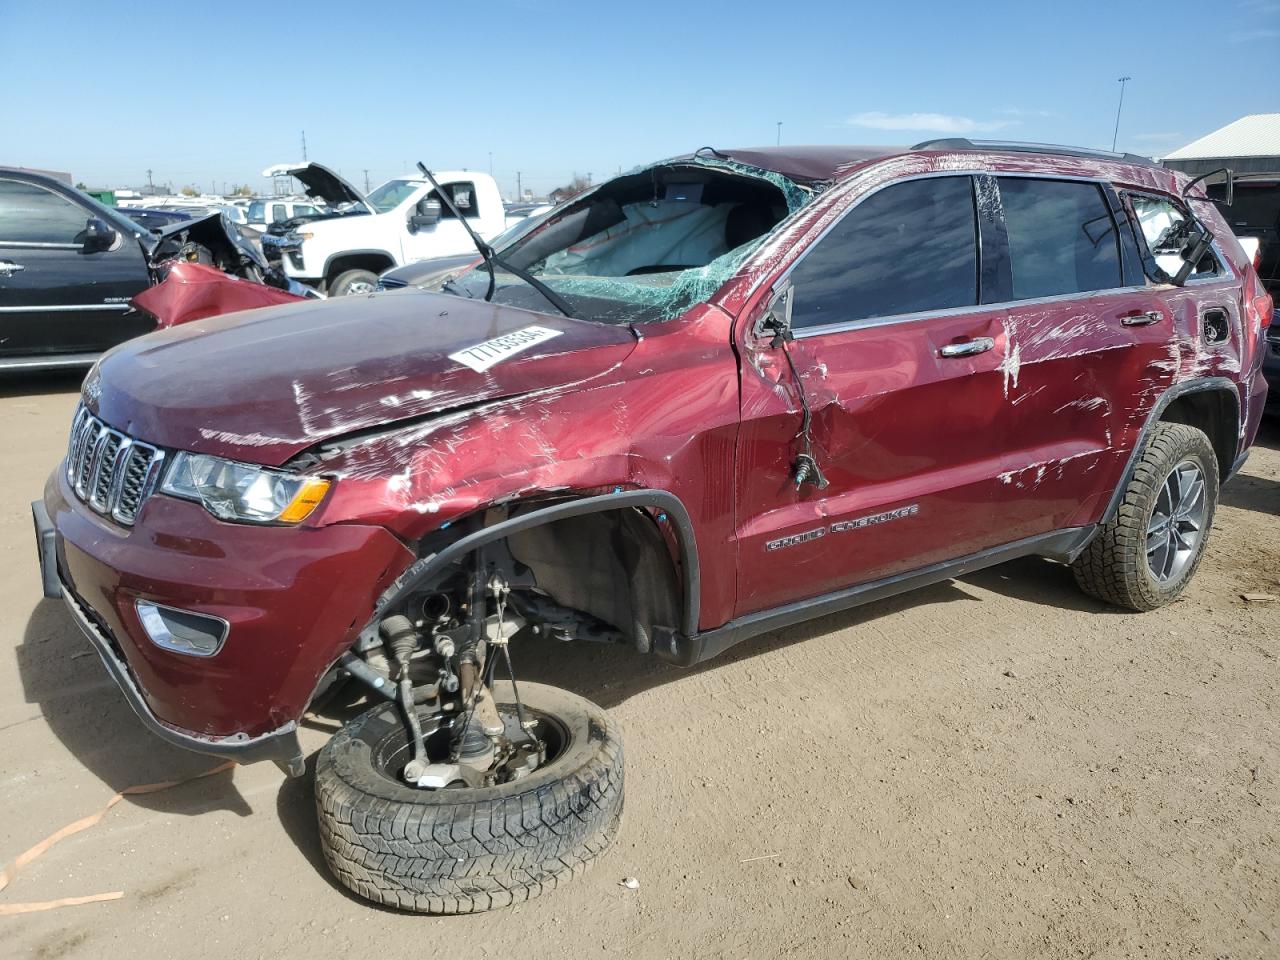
<point x="453" y="282"/>
<point x="490" y="259"/>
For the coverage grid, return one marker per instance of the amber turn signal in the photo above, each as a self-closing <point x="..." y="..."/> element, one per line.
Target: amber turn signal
<point x="306" y="500"/>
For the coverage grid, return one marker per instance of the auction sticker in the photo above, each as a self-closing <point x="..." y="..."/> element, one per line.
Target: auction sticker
<point x="484" y="355"/>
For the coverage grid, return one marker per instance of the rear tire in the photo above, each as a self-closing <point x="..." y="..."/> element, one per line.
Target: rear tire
<point x="467" y="850"/>
<point x="354" y="283"/>
<point x="1120" y="566"/>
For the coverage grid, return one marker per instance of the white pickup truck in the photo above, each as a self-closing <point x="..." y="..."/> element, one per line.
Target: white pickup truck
<point x="402" y="221"/>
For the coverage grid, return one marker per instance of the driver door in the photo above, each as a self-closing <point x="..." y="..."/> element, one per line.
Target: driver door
<point x="54" y="296"/>
<point x="904" y="369"/>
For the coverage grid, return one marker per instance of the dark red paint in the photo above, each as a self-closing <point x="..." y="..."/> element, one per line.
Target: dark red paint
<point x="192" y="291"/>
<point x="1029" y="437"/>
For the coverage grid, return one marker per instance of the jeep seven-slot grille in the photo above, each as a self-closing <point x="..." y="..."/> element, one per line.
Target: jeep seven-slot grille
<point x="110" y="471"/>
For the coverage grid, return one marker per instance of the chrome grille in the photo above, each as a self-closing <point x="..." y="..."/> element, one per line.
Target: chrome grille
<point x="109" y="470"/>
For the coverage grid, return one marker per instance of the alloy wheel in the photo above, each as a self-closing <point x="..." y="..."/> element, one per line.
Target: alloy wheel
<point x="1177" y="522"/>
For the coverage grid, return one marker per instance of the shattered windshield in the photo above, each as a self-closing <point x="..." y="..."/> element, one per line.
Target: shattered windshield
<point x="647" y="245"/>
<point x="391" y="194"/>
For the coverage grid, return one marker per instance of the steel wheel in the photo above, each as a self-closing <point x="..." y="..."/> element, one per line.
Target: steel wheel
<point x="1177" y="521"/>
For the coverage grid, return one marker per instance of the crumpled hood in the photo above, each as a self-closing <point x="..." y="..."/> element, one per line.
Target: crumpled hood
<point x="263" y="385"/>
<point x="321" y="183"/>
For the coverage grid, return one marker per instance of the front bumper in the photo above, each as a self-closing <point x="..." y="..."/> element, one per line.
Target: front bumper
<point x="295" y="597"/>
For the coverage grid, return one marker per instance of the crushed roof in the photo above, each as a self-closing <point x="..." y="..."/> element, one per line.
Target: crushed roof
<point x="805" y="163"/>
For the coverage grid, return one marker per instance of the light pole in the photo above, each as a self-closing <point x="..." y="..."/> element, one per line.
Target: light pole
<point x="778" y="142"/>
<point x="1120" y="106"/>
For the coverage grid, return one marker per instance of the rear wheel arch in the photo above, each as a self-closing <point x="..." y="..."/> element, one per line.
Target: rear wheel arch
<point x="1211" y="405"/>
<point x="1215" y="412"/>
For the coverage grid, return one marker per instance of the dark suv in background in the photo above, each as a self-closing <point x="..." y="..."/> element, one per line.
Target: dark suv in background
<point x="69" y="267"/>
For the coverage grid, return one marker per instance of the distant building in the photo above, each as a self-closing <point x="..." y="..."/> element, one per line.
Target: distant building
<point x="1249" y="145"/>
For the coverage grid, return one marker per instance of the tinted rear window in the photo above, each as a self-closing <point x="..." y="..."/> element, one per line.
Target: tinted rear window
<point x="910" y="248"/>
<point x="1062" y="239"/>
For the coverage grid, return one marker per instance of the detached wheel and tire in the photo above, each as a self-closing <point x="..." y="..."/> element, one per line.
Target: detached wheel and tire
<point x="1147" y="553"/>
<point x="463" y="849"/>
<point x="354" y="283"/>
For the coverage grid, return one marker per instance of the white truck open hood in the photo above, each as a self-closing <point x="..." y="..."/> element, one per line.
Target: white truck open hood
<point x="321" y="183"/>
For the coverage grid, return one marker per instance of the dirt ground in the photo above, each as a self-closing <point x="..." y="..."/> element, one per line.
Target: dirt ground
<point x="992" y="767"/>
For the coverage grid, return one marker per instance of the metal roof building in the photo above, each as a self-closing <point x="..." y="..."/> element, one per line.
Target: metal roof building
<point x="1249" y="145"/>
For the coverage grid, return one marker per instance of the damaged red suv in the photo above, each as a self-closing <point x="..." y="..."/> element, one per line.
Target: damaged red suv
<point x="709" y="398"/>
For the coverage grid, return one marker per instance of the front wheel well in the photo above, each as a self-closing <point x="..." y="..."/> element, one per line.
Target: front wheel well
<point x="620" y="566"/>
<point x="1215" y="413"/>
<point x="614" y="565"/>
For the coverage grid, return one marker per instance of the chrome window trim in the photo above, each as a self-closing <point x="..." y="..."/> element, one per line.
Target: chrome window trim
<point x="848" y="187"/>
<point x="64" y="307"/>
<point x="1005" y="306"/>
<point x="16" y="244"/>
<point x="848" y="325"/>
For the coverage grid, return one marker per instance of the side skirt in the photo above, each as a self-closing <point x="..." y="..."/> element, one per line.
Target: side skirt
<point x="1059" y="545"/>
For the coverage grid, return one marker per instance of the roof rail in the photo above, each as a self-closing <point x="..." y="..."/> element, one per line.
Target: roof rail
<point x="1013" y="146"/>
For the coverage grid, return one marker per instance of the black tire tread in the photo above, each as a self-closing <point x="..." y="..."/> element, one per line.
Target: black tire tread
<point x="470" y="855"/>
<point x="1113" y="567"/>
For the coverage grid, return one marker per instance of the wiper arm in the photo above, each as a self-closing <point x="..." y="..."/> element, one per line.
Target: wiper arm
<point x="452" y="282"/>
<point x="486" y="251"/>
<point x="550" y="295"/>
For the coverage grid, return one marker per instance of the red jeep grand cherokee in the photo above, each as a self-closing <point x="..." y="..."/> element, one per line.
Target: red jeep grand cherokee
<point x="709" y="398"/>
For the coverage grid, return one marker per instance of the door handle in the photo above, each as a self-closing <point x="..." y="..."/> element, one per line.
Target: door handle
<point x="1141" y="318"/>
<point x="967" y="349"/>
<point x="9" y="268"/>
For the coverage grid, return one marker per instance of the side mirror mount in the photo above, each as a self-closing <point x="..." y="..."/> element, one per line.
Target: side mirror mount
<point x="776" y="321"/>
<point x="426" y="216"/>
<point x="96" y="236"/>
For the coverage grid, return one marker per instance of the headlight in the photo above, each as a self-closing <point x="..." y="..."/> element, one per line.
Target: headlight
<point x="240" y="491"/>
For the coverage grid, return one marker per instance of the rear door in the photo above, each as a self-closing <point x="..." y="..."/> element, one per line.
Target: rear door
<point x="55" y="297"/>
<point x="902" y="368"/>
<point x="1089" y="339"/>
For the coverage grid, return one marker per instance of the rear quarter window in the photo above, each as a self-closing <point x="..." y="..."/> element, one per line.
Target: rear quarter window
<point x="1164" y="226"/>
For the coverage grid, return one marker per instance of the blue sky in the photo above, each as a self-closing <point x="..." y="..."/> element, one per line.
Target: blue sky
<point x="214" y="92"/>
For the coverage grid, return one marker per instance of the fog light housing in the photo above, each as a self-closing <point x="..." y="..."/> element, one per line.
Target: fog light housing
<point x="181" y="631"/>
